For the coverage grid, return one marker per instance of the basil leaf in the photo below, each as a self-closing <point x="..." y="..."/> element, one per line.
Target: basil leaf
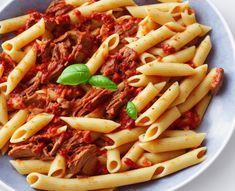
<point x="131" y="110"/>
<point x="103" y="82"/>
<point x="74" y="75"/>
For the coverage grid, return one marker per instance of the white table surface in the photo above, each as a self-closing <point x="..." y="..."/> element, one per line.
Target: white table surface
<point x="220" y="175"/>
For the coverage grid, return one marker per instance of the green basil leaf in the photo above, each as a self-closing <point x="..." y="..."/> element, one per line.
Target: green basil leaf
<point x="74" y="75"/>
<point x="103" y="82"/>
<point x="131" y="110"/>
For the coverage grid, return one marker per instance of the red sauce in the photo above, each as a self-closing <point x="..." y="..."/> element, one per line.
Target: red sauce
<point x="130" y="163"/>
<point x="167" y="48"/>
<point x="146" y="162"/>
<point x="188" y="120"/>
<point x="125" y="121"/>
<point x="63" y="152"/>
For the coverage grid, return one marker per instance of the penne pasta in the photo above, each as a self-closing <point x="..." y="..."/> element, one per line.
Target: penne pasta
<point x="160" y="17"/>
<point x="11" y="126"/>
<point x="141" y="12"/>
<point x="3" y="109"/>
<point x="148" y="159"/>
<point x="96" y="61"/>
<point x="13" y="24"/>
<point x="113" y="160"/>
<point x="142" y="80"/>
<point x="58" y="167"/>
<point x="151" y="39"/>
<point x="182" y="56"/>
<point x="147" y="58"/>
<point x="124" y="136"/>
<point x="176" y="133"/>
<point x="201" y="107"/>
<point x="157" y="52"/>
<point x="92" y="124"/>
<point x="173" y="143"/>
<point x="202" y="52"/>
<point x="132" y="155"/>
<point x="183" y="38"/>
<point x="146" y="26"/>
<point x="187" y="18"/>
<point x="190" y="83"/>
<point x="75" y="3"/>
<point x="20" y="70"/>
<point x="199" y="92"/>
<point x="147" y="95"/>
<point x="99" y="6"/>
<point x="159" y="107"/>
<point x="188" y="159"/>
<point x="31" y="127"/>
<point x="161" y="124"/>
<point x="16" y="55"/>
<point x="166" y="69"/>
<point x="29" y="166"/>
<point x="205" y="30"/>
<point x="25" y="37"/>
<point x="174" y="26"/>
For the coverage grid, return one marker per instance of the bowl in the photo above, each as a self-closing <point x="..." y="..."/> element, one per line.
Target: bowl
<point x="218" y="123"/>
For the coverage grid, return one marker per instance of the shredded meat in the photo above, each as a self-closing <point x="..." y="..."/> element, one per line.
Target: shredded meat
<point x="57" y="8"/>
<point x="90" y="101"/>
<point x="83" y="160"/>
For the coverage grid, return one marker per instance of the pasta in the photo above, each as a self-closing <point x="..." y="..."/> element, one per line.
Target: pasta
<point x="101" y="94"/>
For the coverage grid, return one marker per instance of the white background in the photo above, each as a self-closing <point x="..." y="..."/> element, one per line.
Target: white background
<point x="220" y="176"/>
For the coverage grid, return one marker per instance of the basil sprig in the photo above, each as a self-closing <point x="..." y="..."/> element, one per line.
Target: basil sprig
<point x="103" y="82"/>
<point x="131" y="110"/>
<point x="79" y="74"/>
<point x="74" y="75"/>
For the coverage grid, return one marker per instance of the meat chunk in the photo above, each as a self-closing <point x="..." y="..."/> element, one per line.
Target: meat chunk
<point x="83" y="160"/>
<point x="22" y="151"/>
<point x="91" y="100"/>
<point x="57" y="8"/>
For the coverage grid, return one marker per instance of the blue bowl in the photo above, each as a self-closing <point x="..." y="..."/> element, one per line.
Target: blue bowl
<point x="218" y="123"/>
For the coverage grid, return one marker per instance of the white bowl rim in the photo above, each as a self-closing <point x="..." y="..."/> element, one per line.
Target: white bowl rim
<point x="225" y="142"/>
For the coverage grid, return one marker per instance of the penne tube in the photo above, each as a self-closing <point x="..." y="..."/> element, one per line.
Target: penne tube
<point x="147" y="95"/>
<point x="96" y="61"/>
<point x="205" y="30"/>
<point x="42" y="182"/>
<point x="148" y="159"/>
<point x="132" y="155"/>
<point x="113" y="160"/>
<point x="174" y="26"/>
<point x="173" y="143"/>
<point x="16" y="55"/>
<point x="31" y="127"/>
<point x="141" y="12"/>
<point x="29" y="166"/>
<point x="124" y="136"/>
<point x="25" y="37"/>
<point x="159" y="107"/>
<point x="202" y="52"/>
<point x="151" y="39"/>
<point x="11" y="126"/>
<point x="75" y="3"/>
<point x="190" y="83"/>
<point x="157" y="52"/>
<point x="200" y="91"/>
<point x="177" y="133"/>
<point x="99" y="6"/>
<point x="161" y="124"/>
<point x="124" y="148"/>
<point x="18" y="73"/>
<point x="186" y="160"/>
<point x="13" y="24"/>
<point x="3" y="109"/>
<point x="181" y="39"/>
<point x="4" y="150"/>
<point x="166" y="69"/>
<point x="146" y="58"/>
<point x="182" y="56"/>
<point x="187" y="18"/>
<point x="160" y="17"/>
<point x="146" y="26"/>
<point x="201" y="107"/>
<point x="142" y="80"/>
<point x="58" y="167"/>
<point x="91" y="124"/>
